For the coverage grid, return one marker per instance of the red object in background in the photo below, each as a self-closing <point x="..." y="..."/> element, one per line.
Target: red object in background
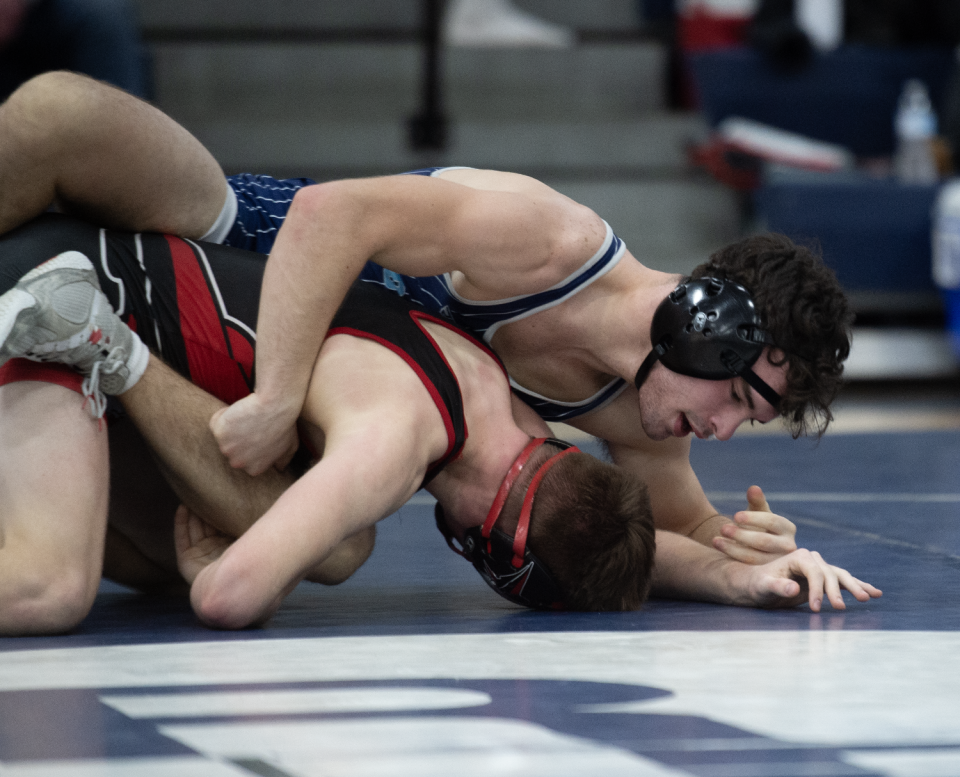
<point x="727" y="163"/>
<point x="699" y="29"/>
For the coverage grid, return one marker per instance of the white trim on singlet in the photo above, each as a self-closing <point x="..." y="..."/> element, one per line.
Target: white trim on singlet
<point x="584" y="268"/>
<point x="580" y="403"/>
<point x="216" y="290"/>
<point x="439" y="170"/>
<point x="148" y="284"/>
<point x="122" y="302"/>
<point x="148" y="289"/>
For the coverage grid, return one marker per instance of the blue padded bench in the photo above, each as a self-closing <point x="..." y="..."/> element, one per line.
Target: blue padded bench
<point x="848" y="96"/>
<point x="874" y="233"/>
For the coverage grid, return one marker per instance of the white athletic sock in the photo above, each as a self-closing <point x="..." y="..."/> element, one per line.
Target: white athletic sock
<point x="228" y="215"/>
<point x="137" y="362"/>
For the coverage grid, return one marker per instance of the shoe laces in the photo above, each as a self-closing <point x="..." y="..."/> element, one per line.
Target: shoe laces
<point x="91" y="384"/>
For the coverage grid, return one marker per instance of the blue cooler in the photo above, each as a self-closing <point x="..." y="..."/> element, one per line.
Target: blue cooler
<point x="875" y="234"/>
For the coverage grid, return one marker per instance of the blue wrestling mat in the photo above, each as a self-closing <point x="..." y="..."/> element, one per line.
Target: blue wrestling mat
<point x="414" y="667"/>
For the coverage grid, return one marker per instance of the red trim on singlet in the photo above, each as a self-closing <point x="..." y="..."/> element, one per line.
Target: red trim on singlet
<point x="418" y="315"/>
<point x="17" y="370"/>
<point x="418" y="319"/>
<point x="214" y="357"/>
<point x="424" y="378"/>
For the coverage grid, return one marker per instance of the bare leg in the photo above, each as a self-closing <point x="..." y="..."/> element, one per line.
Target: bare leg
<point x="139" y="550"/>
<point x="105" y="155"/>
<point x="125" y="562"/>
<point x="173" y="415"/>
<point x="54" y="482"/>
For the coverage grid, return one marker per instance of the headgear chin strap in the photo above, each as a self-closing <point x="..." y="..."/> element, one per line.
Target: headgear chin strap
<point x="709" y="328"/>
<point x="508" y="566"/>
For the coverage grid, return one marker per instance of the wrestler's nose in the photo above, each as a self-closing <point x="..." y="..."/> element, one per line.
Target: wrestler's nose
<point x="726" y="423"/>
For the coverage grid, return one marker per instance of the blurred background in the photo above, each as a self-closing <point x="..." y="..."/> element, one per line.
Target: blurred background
<point x="685" y="123"/>
<point x="591" y="118"/>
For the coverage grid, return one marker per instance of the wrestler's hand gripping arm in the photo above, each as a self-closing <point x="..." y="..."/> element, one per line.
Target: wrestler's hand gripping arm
<point x="361" y="479"/>
<point x="505" y="242"/>
<point x="377" y="429"/>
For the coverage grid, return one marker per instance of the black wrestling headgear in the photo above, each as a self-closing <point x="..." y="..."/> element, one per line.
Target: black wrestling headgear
<point x="709" y="328"/>
<point x="506" y="563"/>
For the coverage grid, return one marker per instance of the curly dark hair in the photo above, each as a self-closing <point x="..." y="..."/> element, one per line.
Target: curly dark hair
<point x="805" y="311"/>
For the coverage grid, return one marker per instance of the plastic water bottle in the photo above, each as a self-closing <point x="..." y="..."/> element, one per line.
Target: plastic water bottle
<point x="946" y="256"/>
<point x="946" y="236"/>
<point x="915" y="125"/>
<point x="822" y="20"/>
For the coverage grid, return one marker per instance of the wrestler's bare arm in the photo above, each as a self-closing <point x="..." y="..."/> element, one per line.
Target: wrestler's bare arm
<point x="688" y="570"/>
<point x="676" y="496"/>
<point x="198" y="544"/>
<point x="365" y="475"/>
<point x="172" y="414"/>
<point x="378" y="430"/>
<point x="753" y="536"/>
<point x="678" y="501"/>
<point x="504" y="243"/>
<point x="345" y="559"/>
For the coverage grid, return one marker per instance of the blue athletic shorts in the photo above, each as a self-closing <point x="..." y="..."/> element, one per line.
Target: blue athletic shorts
<point x="262" y="205"/>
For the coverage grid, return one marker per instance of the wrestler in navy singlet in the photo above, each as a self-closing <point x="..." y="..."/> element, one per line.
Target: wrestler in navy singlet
<point x="262" y="204"/>
<point x="195" y="304"/>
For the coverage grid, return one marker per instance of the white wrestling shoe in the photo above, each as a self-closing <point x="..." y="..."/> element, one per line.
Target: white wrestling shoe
<point x="57" y="313"/>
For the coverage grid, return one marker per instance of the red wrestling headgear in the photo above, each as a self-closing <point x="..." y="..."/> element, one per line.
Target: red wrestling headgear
<point x="509" y="567"/>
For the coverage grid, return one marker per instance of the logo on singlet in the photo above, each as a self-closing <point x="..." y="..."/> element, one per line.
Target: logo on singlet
<point x="394" y="282"/>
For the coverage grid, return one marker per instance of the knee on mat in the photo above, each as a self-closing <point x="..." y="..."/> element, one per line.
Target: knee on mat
<point x="47" y="604"/>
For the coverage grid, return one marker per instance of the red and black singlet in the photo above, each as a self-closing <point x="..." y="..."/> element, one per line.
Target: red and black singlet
<point x="373" y="313"/>
<point x="195" y="305"/>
